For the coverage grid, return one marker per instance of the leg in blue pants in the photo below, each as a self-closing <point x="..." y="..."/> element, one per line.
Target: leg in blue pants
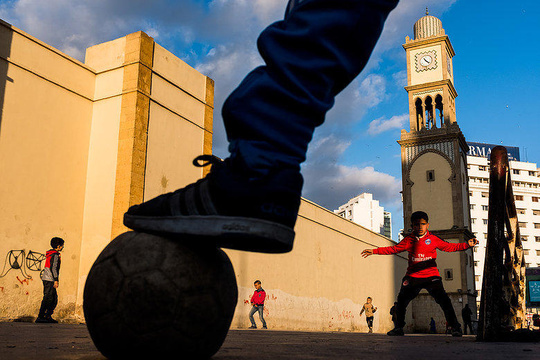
<point x="250" y="201"/>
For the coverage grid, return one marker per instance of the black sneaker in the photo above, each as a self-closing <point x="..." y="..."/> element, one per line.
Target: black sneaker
<point x="456" y="331"/>
<point x="227" y="206"/>
<point x="252" y="327"/>
<point x="396" y="332"/>
<point x="264" y="327"/>
<point x="50" y="320"/>
<point x="41" y="320"/>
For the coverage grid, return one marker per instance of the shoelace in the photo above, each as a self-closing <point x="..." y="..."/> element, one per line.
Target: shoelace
<point x="207" y="160"/>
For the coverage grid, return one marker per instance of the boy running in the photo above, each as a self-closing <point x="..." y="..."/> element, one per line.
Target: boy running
<point x="422" y="272"/>
<point x="370" y="310"/>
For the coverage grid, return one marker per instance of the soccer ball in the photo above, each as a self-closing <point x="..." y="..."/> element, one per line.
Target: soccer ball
<point x="151" y="297"/>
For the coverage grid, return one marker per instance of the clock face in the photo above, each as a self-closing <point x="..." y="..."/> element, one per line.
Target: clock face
<point x="426" y="60"/>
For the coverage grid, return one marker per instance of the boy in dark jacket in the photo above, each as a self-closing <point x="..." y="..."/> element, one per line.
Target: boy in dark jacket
<point x="257" y="303"/>
<point x="422" y="272"/>
<point x="50" y="281"/>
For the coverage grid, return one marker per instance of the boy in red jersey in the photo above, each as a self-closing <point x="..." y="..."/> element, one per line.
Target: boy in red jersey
<point x="257" y="305"/>
<point x="422" y="272"/>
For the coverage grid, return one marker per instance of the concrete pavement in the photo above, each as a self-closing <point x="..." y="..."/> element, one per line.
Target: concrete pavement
<point x="20" y="341"/>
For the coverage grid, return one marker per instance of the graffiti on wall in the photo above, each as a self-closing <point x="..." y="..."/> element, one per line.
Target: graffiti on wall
<point x="20" y="260"/>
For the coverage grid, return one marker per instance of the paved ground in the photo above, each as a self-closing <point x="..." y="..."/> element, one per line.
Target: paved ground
<point x="43" y="341"/>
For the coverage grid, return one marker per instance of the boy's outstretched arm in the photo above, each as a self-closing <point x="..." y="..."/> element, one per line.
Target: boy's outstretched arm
<point x="403" y="245"/>
<point x="451" y="247"/>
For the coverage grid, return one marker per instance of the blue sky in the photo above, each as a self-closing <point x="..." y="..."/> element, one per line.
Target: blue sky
<point x="496" y="69"/>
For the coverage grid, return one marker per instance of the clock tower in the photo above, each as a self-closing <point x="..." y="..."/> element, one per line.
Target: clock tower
<point x="434" y="163"/>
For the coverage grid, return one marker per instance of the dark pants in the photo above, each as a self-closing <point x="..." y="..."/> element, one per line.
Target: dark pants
<point x="410" y="288"/>
<point x="469" y="324"/>
<point x="369" y="320"/>
<point x="310" y="56"/>
<point x="50" y="299"/>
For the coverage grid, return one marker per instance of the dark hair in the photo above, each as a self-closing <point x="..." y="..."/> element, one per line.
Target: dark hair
<point x="257" y="281"/>
<point x="56" y="241"/>
<point x="419" y="215"/>
<point x="369" y="297"/>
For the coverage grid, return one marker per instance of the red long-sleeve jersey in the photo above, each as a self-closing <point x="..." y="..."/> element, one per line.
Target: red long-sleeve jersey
<point x="422" y="253"/>
<point x="258" y="297"/>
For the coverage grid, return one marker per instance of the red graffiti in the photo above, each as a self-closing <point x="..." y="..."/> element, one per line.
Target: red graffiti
<point x="26" y="292"/>
<point x="273" y="297"/>
<point x="246" y="302"/>
<point x="24" y="281"/>
<point x="346" y="315"/>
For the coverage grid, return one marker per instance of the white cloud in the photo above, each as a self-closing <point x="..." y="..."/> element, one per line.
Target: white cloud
<point x="330" y="184"/>
<point x="380" y="125"/>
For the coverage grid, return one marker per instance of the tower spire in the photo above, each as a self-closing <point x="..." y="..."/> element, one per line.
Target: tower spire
<point x="427" y="11"/>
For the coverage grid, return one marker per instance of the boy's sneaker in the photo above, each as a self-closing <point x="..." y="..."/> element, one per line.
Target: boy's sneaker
<point x="50" y="320"/>
<point x="264" y="327"/>
<point x="396" y="332"/>
<point x="227" y="206"/>
<point x="456" y="331"/>
<point x="252" y="327"/>
<point x="41" y="320"/>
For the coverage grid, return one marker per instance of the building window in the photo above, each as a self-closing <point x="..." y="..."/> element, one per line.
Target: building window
<point x="522" y="224"/>
<point x="521" y="211"/>
<point x="526" y="252"/>
<point x="519" y="197"/>
<point x="475" y="249"/>
<point x="532" y="173"/>
<point x="536" y="225"/>
<point x="473" y="206"/>
<point x="475" y="263"/>
<point x="481" y="168"/>
<point x="473" y="220"/>
<point x="485" y="194"/>
<point x="485" y="235"/>
<point x="448" y="274"/>
<point x="537" y="252"/>
<point x="524" y="238"/>
<point x="536" y="212"/>
<point x="470" y="193"/>
<point x="485" y="207"/>
<point x="515" y="172"/>
<point x="477" y="278"/>
<point x="527" y="264"/>
<point x="485" y="221"/>
<point x="430" y="174"/>
<point x="537" y="238"/>
<point x="535" y="199"/>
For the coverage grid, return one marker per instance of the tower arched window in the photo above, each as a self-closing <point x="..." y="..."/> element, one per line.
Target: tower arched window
<point x="419" y="114"/>
<point x="439" y="109"/>
<point x="430" y="119"/>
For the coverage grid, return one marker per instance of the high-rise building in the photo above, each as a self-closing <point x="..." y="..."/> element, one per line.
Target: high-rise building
<point x="526" y="188"/>
<point x="433" y="158"/>
<point x="366" y="211"/>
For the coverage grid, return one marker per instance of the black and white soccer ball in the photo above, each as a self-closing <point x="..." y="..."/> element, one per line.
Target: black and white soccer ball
<point x="151" y="297"/>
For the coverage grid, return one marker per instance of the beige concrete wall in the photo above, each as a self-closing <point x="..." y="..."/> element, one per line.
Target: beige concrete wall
<point x="434" y="197"/>
<point x="178" y="123"/>
<point x="322" y="284"/>
<point x="46" y="107"/>
<point x="73" y="145"/>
